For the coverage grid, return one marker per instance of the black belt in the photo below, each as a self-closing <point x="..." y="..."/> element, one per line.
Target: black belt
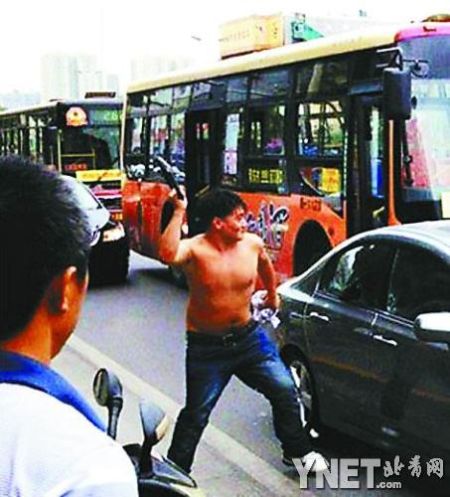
<point x="234" y="335"/>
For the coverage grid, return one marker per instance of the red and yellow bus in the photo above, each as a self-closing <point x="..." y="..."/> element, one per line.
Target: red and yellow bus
<point x="80" y="138"/>
<point x="322" y="139"/>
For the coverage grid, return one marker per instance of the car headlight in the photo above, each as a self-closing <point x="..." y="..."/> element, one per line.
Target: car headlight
<point x="113" y="234"/>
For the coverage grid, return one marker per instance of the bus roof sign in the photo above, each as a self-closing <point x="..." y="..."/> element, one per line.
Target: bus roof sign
<point x="255" y="33"/>
<point x="250" y="34"/>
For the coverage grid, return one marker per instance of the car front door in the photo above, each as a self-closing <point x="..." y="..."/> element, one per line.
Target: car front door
<point x="339" y="324"/>
<point x="412" y="392"/>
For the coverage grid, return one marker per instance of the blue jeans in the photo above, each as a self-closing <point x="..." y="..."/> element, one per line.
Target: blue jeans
<point x="254" y="359"/>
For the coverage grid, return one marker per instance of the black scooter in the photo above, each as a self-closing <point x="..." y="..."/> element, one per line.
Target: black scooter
<point x="157" y="475"/>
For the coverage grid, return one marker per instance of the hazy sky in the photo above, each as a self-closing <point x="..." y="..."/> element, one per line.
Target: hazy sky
<point x="117" y="31"/>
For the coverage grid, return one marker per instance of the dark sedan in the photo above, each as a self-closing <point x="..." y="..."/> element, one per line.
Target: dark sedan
<point x="110" y="252"/>
<point x="366" y="333"/>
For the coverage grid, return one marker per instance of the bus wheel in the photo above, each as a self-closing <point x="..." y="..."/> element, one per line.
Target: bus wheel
<point x="311" y="244"/>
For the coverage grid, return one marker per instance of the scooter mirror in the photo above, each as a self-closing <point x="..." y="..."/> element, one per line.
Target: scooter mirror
<point x="108" y="392"/>
<point x="106" y="387"/>
<point x="155" y="423"/>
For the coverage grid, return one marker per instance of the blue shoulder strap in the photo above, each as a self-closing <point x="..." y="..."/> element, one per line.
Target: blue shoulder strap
<point x="21" y="370"/>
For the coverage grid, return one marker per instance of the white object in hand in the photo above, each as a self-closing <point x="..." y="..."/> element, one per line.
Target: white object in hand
<point x="260" y="313"/>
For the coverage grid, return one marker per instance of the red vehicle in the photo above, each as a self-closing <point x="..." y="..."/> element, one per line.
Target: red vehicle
<point x="323" y="139"/>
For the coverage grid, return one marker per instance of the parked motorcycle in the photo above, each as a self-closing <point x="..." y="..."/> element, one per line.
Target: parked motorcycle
<point x="157" y="475"/>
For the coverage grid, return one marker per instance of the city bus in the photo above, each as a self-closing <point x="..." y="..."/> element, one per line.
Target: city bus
<point x="79" y="138"/>
<point x="322" y="139"/>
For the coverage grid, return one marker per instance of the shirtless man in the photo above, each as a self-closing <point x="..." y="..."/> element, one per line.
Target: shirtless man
<point x="222" y="267"/>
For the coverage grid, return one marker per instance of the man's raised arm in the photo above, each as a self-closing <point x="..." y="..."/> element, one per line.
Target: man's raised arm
<point x="173" y="250"/>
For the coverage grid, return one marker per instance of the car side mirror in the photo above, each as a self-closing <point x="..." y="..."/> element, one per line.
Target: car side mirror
<point x="433" y="327"/>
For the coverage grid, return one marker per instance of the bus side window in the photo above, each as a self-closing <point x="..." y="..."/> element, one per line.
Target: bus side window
<point x="320" y="129"/>
<point x="135" y="142"/>
<point x="177" y="145"/>
<point x="376" y="158"/>
<point x="40" y="145"/>
<point x="320" y="150"/>
<point x="234" y="131"/>
<point x="267" y="130"/>
<point x="159" y="135"/>
<point x="256" y="133"/>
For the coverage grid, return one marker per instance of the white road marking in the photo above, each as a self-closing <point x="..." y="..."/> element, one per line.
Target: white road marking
<point x="255" y="467"/>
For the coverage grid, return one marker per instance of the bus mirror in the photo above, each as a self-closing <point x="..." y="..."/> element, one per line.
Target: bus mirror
<point x="397" y="93"/>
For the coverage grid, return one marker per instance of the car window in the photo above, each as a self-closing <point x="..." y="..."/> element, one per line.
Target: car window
<point x="360" y="275"/>
<point x="420" y="283"/>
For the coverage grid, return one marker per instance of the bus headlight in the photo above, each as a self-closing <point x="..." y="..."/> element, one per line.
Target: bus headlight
<point x="113" y="234"/>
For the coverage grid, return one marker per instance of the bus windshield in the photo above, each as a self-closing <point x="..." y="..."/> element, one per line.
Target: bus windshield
<point x="425" y="175"/>
<point x="427" y="132"/>
<point x="88" y="148"/>
<point x="89" y="137"/>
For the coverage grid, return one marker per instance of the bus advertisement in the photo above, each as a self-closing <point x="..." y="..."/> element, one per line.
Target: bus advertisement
<point x="79" y="138"/>
<point x="322" y="139"/>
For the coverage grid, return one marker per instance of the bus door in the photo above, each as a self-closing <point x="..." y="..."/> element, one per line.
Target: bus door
<point x="366" y="181"/>
<point x="203" y="144"/>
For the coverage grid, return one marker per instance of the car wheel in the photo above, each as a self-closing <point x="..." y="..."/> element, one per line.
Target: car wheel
<point x="305" y="386"/>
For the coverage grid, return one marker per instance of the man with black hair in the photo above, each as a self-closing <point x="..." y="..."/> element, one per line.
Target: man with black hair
<point x="222" y="266"/>
<point x="52" y="442"/>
